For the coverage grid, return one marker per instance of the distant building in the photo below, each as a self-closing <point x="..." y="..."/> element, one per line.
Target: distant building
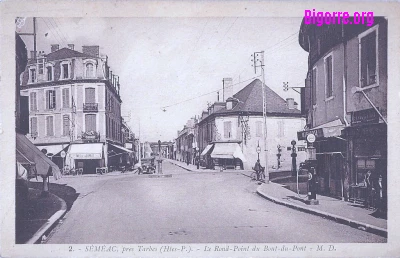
<point x="346" y="62"/>
<point x="75" y="107"/>
<point x="186" y="142"/>
<point x="229" y="132"/>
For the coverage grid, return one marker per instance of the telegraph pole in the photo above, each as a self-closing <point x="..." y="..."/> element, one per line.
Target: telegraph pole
<point x="258" y="61"/>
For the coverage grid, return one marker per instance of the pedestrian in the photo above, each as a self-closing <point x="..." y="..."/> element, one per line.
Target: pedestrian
<point x="257" y="168"/>
<point x="187" y="159"/>
<point x="370" y="189"/>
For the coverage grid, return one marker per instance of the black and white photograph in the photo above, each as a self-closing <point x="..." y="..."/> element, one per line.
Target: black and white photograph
<point x="200" y="134"/>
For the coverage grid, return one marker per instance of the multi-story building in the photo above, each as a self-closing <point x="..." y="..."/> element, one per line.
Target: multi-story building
<point x="230" y="132"/>
<point x="74" y="107"/>
<point x="345" y="99"/>
<point x="186" y="142"/>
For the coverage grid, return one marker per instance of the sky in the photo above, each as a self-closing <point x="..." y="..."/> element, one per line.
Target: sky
<point x="178" y="64"/>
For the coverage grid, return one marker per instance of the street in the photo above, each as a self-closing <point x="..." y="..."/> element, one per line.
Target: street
<point x="188" y="208"/>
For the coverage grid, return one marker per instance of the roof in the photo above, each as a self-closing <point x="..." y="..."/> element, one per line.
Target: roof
<point x="251" y="100"/>
<point x="64" y="53"/>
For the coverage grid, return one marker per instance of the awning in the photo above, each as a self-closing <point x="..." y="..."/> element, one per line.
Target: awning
<point x="331" y="129"/>
<point x="28" y="152"/>
<point x="86" y="151"/>
<point x="53" y="149"/>
<point x="207" y="150"/>
<point x="227" y="150"/>
<point x="121" y="148"/>
<point x="22" y="159"/>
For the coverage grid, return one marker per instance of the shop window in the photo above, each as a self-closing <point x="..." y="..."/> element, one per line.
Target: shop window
<point x="368" y="58"/>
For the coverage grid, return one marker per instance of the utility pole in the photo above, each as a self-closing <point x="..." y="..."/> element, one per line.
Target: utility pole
<point x="258" y="61"/>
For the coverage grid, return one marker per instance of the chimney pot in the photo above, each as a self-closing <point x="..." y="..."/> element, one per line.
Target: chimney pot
<point x="54" y="47"/>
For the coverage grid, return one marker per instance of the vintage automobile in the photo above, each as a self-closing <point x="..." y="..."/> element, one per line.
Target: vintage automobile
<point x="148" y="166"/>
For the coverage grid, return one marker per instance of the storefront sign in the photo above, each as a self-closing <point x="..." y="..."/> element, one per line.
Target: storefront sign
<point x="366" y="116"/>
<point x="86" y="155"/>
<point x="317" y="132"/>
<point x="90" y="136"/>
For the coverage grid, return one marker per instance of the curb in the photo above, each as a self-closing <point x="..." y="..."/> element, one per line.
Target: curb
<point x="50" y="222"/>
<point x="339" y="219"/>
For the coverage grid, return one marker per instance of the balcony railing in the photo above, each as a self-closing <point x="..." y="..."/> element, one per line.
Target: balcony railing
<point x="90" y="107"/>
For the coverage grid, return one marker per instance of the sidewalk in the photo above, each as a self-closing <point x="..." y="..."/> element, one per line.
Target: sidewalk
<point x="41" y="214"/>
<point x="340" y="211"/>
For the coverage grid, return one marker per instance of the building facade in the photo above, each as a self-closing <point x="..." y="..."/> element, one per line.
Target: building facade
<point x="230" y="131"/>
<point x="345" y="100"/>
<point x="74" y="107"/>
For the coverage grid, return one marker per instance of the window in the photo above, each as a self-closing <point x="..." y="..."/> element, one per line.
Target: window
<point x="65" y="98"/>
<point x="49" y="126"/>
<point x="49" y="73"/>
<point x="90" y="95"/>
<point x="33" y="101"/>
<point x="89" y="70"/>
<point x="50" y="99"/>
<point x="328" y="77"/>
<point x="259" y="129"/>
<point x="34" y="129"/>
<point x="227" y="129"/>
<point x="41" y="65"/>
<point x="65" y="70"/>
<point x="66" y="125"/>
<point x="281" y="128"/>
<point x="368" y="58"/>
<point x="314" y="86"/>
<point x="90" y="122"/>
<point x="32" y="75"/>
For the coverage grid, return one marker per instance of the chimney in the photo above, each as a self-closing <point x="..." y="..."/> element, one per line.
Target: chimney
<point x="227" y="88"/>
<point x="91" y="50"/>
<point x="71" y="46"/>
<point x="54" y="47"/>
<point x="290" y="103"/>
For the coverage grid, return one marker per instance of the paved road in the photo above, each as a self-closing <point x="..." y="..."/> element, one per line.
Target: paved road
<point x="188" y="208"/>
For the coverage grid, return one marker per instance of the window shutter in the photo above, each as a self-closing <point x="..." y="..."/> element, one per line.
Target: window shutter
<point x="50" y="131"/>
<point x="34" y="125"/>
<point x="90" y="95"/>
<point x="65" y="98"/>
<point x="90" y="122"/>
<point x="66" y="125"/>
<point x="31" y="104"/>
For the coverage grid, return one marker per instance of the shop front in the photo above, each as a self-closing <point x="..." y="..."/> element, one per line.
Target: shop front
<point x="119" y="156"/>
<point x="205" y="158"/>
<point x="331" y="151"/>
<point x="227" y="155"/>
<point x="368" y="152"/>
<point x="86" y="156"/>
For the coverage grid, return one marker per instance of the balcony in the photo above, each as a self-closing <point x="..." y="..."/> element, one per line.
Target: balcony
<point x="90" y="107"/>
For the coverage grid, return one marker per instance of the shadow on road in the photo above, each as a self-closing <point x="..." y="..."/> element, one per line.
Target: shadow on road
<point x="67" y="193"/>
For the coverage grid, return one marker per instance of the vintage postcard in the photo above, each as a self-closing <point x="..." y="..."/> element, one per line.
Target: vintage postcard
<point x="199" y="129"/>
